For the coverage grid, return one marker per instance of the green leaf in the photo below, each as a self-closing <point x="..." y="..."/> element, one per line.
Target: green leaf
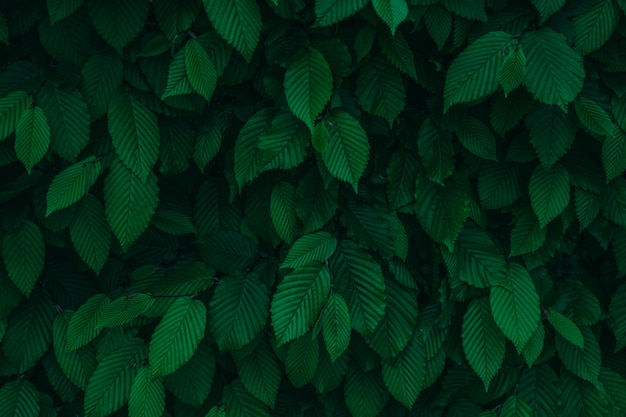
<point x="580" y="398"/>
<point x="238" y="310"/>
<point x="515" y="306"/>
<point x="23" y="252"/>
<point x="404" y="375"/>
<point x="283" y="210"/>
<point x="118" y="21"/>
<point x="617" y="316"/>
<point x="360" y="282"/>
<point x="615" y="386"/>
<point x="499" y="185"/>
<point x="60" y="9"/>
<point x="68" y="118"/>
<point x="298" y="300"/>
<point x="302" y="358"/>
<point x="336" y="326"/>
<point x="565" y="327"/>
<point x="392" y="12"/>
<point x="380" y="89"/>
<point x="175" y="17"/>
<point x="147" y="395"/>
<point x="438" y="21"/>
<point x="554" y="71"/>
<point x="11" y="107"/>
<point x="396" y="326"/>
<point x="614" y="154"/>
<point x="372" y="228"/>
<point x="483" y="342"/>
<point x="83" y="326"/>
<point x="527" y="235"/>
<point x="71" y="184"/>
<point x="594" y="27"/>
<point x="200" y="69"/>
<point x="239" y="23"/>
<point x="549" y="192"/>
<point x="239" y="402"/>
<point x="177" y="336"/>
<point x="398" y="52"/>
<point x="308" y="85"/>
<point x="479" y="261"/>
<point x="260" y="373"/>
<point x="401" y="177"/>
<point x="90" y="233"/>
<point x="177" y="81"/>
<point x="441" y="211"/>
<point x="135" y="134"/>
<point x="19" y="399"/>
<point x="206" y="147"/>
<point x="512" y="70"/>
<point x="539" y="388"/>
<point x="77" y="364"/>
<point x="102" y="75"/>
<point x="516" y="407"/>
<point x="172" y="222"/>
<point x="227" y="251"/>
<point x="32" y="137"/>
<point x="547" y="8"/>
<point x="318" y="246"/>
<point x="587" y="207"/>
<point x="474" y="72"/>
<point x="582" y="361"/>
<point x="191" y="383"/>
<point x="593" y="117"/>
<point x="613" y="201"/>
<point x="534" y="347"/>
<point x="129" y="203"/>
<point x="552" y="133"/>
<point x="348" y="149"/>
<point x="364" y="392"/>
<point x="124" y="309"/>
<point x="110" y="384"/>
<point x="476" y="137"/>
<point x="435" y="149"/>
<point x="329" y="12"/>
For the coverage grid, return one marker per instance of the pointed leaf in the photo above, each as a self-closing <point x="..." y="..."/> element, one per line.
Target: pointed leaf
<point x="102" y="75"/>
<point x="119" y="21"/>
<point x="11" y="107"/>
<point x="147" y="395"/>
<point x="380" y="89"/>
<point x="552" y="133"/>
<point x="283" y="210"/>
<point x="260" y="373"/>
<point x="365" y="392"/>
<point x="83" y="326"/>
<point x="594" y="27"/>
<point x="512" y="70"/>
<point x="23" y="252"/>
<point x="435" y="149"/>
<point x="392" y="12"/>
<point x="549" y="192"/>
<point x="19" y="399"/>
<point x="582" y="361"/>
<point x="238" y="22"/>
<point x="200" y="69"/>
<point x="318" y="246"/>
<point x="336" y="326"/>
<point x="78" y="365"/>
<point x="90" y="233"/>
<point x="32" y="137"/>
<point x="566" y="328"/>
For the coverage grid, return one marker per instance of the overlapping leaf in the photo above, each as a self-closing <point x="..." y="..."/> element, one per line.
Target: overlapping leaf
<point x="238" y="22"/>
<point x="32" y="137"/>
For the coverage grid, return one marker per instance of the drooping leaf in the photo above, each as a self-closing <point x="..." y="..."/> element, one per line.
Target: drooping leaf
<point x="23" y="252"/>
<point x="77" y="364"/>
<point x="515" y="305"/>
<point x="129" y="203"/>
<point x="477" y="138"/>
<point x="238" y="310"/>
<point x="392" y="12"/>
<point x="566" y="328"/>
<point x="329" y="12"/>
<point x="260" y="373"/>
<point x="614" y="154"/>
<point x="11" y="108"/>
<point x="435" y="149"/>
<point x="200" y="70"/>
<point x="593" y="116"/>
<point x="499" y="185"/>
<point x="581" y="398"/>
<point x="242" y="403"/>
<point x="227" y="251"/>
<point x="398" y="52"/>
<point x="380" y="88"/>
<point x="298" y="300"/>
<point x="479" y="262"/>
<point x="483" y="342"/>
<point x="83" y="326"/>
<point x="302" y="358"/>
<point x="124" y="309"/>
<point x="102" y="75"/>
<point x="175" y="17"/>
<point x="308" y="85"/>
<point x="135" y="134"/>
<point x="404" y="375"/>
<point x="336" y="326"/>
<point x="283" y="210"/>
<point x="19" y="398"/>
<point x="364" y="392"/>
<point x="554" y="71"/>
<point x="549" y="192"/>
<point x="552" y="133"/>
<point x="474" y="73"/>
<point x="239" y="23"/>
<point x="32" y="137"/>
<point x="191" y="383"/>
<point x="547" y="8"/>
<point x="147" y="395"/>
<point x="594" y="27"/>
<point x="582" y="361"/>
<point x="71" y="184"/>
<point x="617" y="310"/>
<point x="318" y="246"/>
<point x="401" y="175"/>
<point x="438" y="21"/>
<point x="527" y="235"/>
<point x="60" y="9"/>
<point x="512" y="70"/>
<point x="119" y="21"/>
<point x="90" y="233"/>
<point x="539" y="388"/>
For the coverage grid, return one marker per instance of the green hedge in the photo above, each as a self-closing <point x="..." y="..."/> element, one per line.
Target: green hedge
<point x="312" y="208"/>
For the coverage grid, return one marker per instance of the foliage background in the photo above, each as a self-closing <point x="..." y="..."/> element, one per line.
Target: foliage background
<point x="312" y="208"/>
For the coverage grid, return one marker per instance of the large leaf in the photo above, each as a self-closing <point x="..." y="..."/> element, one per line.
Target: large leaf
<point x="580" y="398"/>
<point x="554" y="71"/>
<point x="552" y="133"/>
<point x="435" y="149"/>
<point x="110" y="384"/>
<point x="594" y="27"/>
<point x="474" y="73"/>
<point x="318" y="246"/>
<point x="200" y="70"/>
<point x="582" y="361"/>
<point x="68" y="118"/>
<point x="392" y="12"/>
<point x="549" y="192"/>
<point x="90" y="233"/>
<point x="177" y="336"/>
<point x="32" y="137"/>
<point x="380" y="89"/>
<point x="83" y="326"/>
<point x="308" y="85"/>
<point x="298" y="300"/>
<point x="71" y="184"/>
<point x="303" y="356"/>
<point x="539" y="388"/>
<point x="348" y="148"/>
<point x="483" y="342"/>
<point x="102" y="75"/>
<point x="191" y="383"/>
<point x="23" y="252"/>
<point x="135" y="134"/>
<point x="78" y="364"/>
<point x="129" y="203"/>
<point x="404" y="375"/>
<point x="260" y="373"/>
<point x="283" y="210"/>
<point x="499" y="184"/>
<point x="147" y="395"/>
<point x="364" y="392"/>
<point x="239" y="22"/>
<point x="119" y="21"/>
<point x="515" y="305"/>
<point x="360" y="282"/>
<point x="19" y="399"/>
<point x="238" y="310"/>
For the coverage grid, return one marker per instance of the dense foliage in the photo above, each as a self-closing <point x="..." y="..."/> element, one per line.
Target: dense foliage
<point x="312" y="208"/>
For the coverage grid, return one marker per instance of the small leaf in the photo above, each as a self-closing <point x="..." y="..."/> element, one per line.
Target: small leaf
<point x="435" y="149"/>
<point x="565" y="327"/>
<point x="283" y="210"/>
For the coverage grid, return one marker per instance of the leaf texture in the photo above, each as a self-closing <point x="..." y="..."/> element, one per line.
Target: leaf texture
<point x="24" y="252"/>
<point x="32" y="137"/>
<point x="238" y="22"/>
